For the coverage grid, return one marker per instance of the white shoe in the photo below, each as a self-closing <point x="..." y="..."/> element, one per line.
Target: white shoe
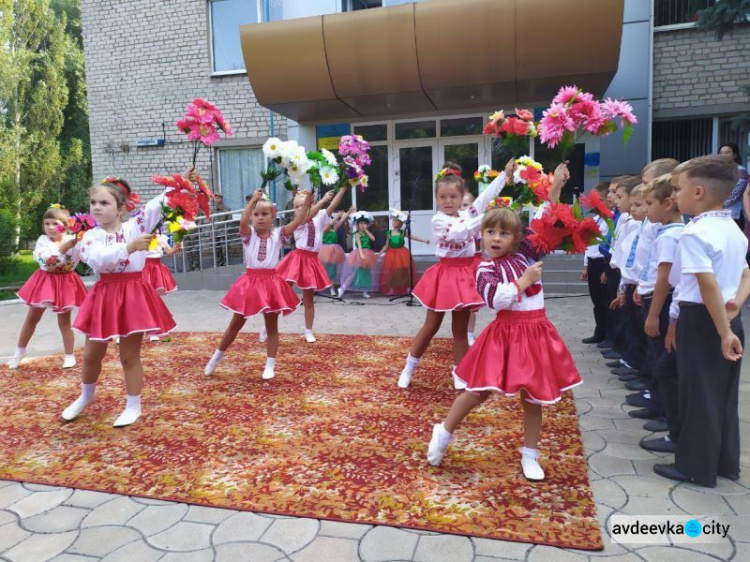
<point x="128" y="417"/>
<point x="69" y="362"/>
<point x="154" y="338"/>
<point x="458" y="384"/>
<point x="268" y="374"/>
<point x="309" y="338"/>
<point x="263" y="335"/>
<point x="531" y="469"/>
<point x="333" y="291"/>
<point x="341" y="292"/>
<point x="438" y="444"/>
<point x="74" y="410"/>
<point x="210" y="368"/>
<point x="405" y="379"/>
<point x="366" y="295"/>
<point x="16" y="360"/>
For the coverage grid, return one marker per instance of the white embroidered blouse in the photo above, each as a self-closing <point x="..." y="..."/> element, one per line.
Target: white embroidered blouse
<point x="47" y="254"/>
<point x="309" y="235"/>
<point x="263" y="252"/>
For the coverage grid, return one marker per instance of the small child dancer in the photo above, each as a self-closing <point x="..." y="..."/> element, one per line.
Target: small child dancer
<point x="121" y="304"/>
<point x="261" y="290"/>
<point x="520" y="352"/>
<point x="302" y="265"/>
<point x="358" y="268"/>
<point x="394" y="275"/>
<point x="54" y="285"/>
<point x="332" y="255"/>
<point x="449" y="285"/>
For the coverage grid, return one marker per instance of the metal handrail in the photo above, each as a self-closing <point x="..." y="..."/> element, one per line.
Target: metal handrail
<point x="216" y="236"/>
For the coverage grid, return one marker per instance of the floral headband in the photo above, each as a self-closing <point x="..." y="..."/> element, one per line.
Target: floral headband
<point x="499" y="203"/>
<point x="57" y="206"/>
<point x="447" y="172"/>
<point x="131" y="199"/>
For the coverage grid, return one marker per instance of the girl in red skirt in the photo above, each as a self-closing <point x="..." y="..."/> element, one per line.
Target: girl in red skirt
<point x="394" y="275"/>
<point x="332" y="255"/>
<point x="54" y="285"/>
<point x="449" y="285"/>
<point x="302" y="265"/>
<point x="156" y="273"/>
<point x="520" y="352"/>
<point x="261" y="290"/>
<point x="120" y="305"/>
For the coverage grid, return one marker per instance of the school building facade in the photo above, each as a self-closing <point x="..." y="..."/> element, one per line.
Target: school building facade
<point x="416" y="79"/>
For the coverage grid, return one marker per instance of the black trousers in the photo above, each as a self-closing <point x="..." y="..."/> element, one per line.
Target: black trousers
<point x="708" y="396"/>
<point x="636" y="353"/>
<point x="666" y="373"/>
<point x="615" y="322"/>
<point x="598" y="292"/>
<point x="655" y="347"/>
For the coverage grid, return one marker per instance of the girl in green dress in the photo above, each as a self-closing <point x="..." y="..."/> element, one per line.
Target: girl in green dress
<point x="358" y="268"/>
<point x="394" y="275"/>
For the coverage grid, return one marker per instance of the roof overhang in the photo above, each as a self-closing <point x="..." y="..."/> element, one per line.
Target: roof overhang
<point x="438" y="55"/>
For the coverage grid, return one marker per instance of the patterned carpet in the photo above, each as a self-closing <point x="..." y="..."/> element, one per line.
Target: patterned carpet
<point x="331" y="437"/>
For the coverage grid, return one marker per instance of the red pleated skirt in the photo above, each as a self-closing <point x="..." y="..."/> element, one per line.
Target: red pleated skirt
<point x="121" y="304"/>
<point x="449" y="285"/>
<point x="394" y="275"/>
<point x="158" y="276"/>
<point x="260" y="291"/>
<point x="520" y="350"/>
<point x="61" y="292"/>
<point x="303" y="268"/>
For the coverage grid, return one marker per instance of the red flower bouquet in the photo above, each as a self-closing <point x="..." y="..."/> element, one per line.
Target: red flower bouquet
<point x="512" y="129"/>
<point x="563" y="227"/>
<point x="79" y="223"/>
<point x="183" y="202"/>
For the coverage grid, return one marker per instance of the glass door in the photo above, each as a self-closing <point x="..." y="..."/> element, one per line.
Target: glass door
<point x="414" y="179"/>
<point x="466" y="153"/>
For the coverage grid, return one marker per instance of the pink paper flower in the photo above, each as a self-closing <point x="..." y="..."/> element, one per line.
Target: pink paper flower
<point x="619" y="108"/>
<point x="566" y="95"/>
<point x="554" y="123"/>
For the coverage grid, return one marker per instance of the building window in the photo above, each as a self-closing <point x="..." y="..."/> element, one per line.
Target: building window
<point x="226" y="18"/>
<point x="682" y="140"/>
<point x="675" y="12"/>
<point x="416" y="130"/>
<point x="354" y="5"/>
<point x="239" y="174"/>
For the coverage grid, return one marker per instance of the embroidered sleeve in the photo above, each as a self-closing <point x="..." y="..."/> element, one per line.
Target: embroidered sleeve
<point x="454" y="229"/>
<point x="526" y="249"/>
<point x="246" y="238"/>
<point x="151" y="214"/>
<point x="495" y="290"/>
<point x="100" y="256"/>
<point x="283" y="237"/>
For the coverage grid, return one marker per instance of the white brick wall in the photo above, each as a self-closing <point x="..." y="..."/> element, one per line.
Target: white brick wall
<point x="692" y="69"/>
<point x="145" y="60"/>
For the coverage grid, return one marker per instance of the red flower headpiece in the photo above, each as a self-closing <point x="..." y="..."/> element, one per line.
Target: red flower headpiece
<point x="131" y="199"/>
<point x="447" y="172"/>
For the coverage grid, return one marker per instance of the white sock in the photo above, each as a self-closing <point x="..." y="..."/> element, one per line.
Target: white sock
<point x="412" y="362"/>
<point x="69" y="356"/>
<point x="87" y="391"/>
<point x="308" y="332"/>
<point x="470" y="335"/>
<point x="270" y="362"/>
<point x="217" y="356"/>
<point x="533" y="453"/>
<point x="20" y="351"/>
<point x="133" y="402"/>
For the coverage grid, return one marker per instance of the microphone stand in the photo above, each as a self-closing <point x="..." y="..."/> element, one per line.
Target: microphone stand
<point x="409" y="292"/>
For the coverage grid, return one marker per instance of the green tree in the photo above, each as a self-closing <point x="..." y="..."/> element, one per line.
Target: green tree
<point x="723" y="16"/>
<point x="33" y="97"/>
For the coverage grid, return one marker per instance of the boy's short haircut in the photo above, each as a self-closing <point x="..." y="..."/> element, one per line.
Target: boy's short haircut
<point x="617" y="180"/>
<point x="660" y="166"/>
<point x="602" y="188"/>
<point x="629" y="183"/>
<point x="715" y="172"/>
<point x="660" y="189"/>
<point x="638" y="191"/>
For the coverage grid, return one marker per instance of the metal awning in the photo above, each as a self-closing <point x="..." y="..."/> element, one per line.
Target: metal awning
<point x="431" y="56"/>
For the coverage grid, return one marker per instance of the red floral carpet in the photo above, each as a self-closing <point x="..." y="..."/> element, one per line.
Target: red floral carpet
<point x="331" y="437"/>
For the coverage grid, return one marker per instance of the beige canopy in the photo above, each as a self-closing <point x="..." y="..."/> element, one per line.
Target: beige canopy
<point x="428" y="56"/>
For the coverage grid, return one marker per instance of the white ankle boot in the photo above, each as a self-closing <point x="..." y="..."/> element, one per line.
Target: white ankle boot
<point x="531" y="469"/>
<point x="438" y="444"/>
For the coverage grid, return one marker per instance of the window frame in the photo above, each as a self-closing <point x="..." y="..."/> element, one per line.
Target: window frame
<point x="217" y="160"/>
<point x="212" y="60"/>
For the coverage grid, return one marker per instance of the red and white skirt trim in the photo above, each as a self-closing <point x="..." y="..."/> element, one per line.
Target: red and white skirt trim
<point x="260" y="291"/>
<point x="61" y="292"/>
<point x="449" y="285"/>
<point x="520" y="350"/>
<point x="303" y="268"/>
<point x="121" y="304"/>
<point x="158" y="276"/>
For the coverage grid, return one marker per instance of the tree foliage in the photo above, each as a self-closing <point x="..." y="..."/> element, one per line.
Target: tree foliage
<point x="723" y="16"/>
<point x="44" y="139"/>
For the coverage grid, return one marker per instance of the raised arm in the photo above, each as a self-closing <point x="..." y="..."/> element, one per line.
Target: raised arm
<point x="344" y="217"/>
<point x="315" y="209"/>
<point x="561" y="177"/>
<point x="494" y="189"/>
<point x="337" y="199"/>
<point x="300" y="218"/>
<point x="247" y="212"/>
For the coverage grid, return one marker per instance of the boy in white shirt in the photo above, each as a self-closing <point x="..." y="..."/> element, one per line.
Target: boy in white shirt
<point x="712" y="284"/>
<point x="656" y="296"/>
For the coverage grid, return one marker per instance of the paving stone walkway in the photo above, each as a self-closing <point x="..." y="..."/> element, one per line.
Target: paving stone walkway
<point x="66" y="525"/>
